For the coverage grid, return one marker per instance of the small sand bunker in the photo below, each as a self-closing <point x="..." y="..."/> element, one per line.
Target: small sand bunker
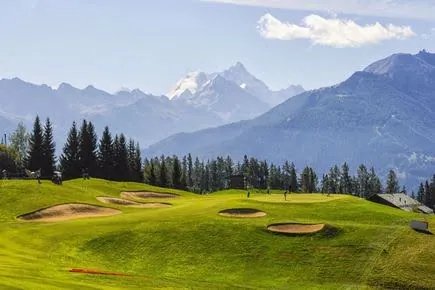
<point x="130" y="203"/>
<point x="296" y="229"/>
<point x="242" y="212"/>
<point x="68" y="211"/>
<point x="146" y="194"/>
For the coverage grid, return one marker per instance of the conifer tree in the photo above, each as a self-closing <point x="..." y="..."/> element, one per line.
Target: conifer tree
<point x="420" y="193"/>
<point x="152" y="176"/>
<point x="48" y="151"/>
<point x="70" y="158"/>
<point x="176" y="173"/>
<point x="345" y="180"/>
<point x="363" y="182"/>
<point x="189" y="171"/>
<point x="427" y="193"/>
<point x="138" y="166"/>
<point x="88" y="147"/>
<point x="392" y="183"/>
<point x="375" y="185"/>
<point x="34" y="158"/>
<point x="163" y="174"/>
<point x="293" y="179"/>
<point x="106" y="155"/>
<point x="120" y="158"/>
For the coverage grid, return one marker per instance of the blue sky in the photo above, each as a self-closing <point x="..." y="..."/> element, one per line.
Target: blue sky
<point x="151" y="44"/>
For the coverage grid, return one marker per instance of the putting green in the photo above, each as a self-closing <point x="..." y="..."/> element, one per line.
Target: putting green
<point x="190" y="246"/>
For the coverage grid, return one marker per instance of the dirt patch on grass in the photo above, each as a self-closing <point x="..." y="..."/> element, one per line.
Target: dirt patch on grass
<point x="147" y="194"/>
<point x="296" y="229"/>
<point x="68" y="211"/>
<point x="242" y="212"/>
<point x="95" y="272"/>
<point x="130" y="203"/>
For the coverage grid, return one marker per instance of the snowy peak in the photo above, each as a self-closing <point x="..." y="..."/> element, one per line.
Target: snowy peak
<point x="190" y="83"/>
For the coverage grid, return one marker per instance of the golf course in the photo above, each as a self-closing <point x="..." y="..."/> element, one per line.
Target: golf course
<point x="98" y="234"/>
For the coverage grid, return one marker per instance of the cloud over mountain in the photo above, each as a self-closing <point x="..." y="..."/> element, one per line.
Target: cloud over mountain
<point x="331" y="31"/>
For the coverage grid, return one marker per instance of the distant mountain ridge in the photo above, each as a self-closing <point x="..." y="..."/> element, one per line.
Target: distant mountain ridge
<point x="383" y="116"/>
<point x="198" y="101"/>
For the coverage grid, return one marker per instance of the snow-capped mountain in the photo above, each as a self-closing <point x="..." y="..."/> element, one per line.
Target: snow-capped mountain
<point x="189" y="87"/>
<point x="383" y="116"/>
<point x="197" y="101"/>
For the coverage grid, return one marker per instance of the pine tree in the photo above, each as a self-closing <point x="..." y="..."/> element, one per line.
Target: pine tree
<point x="374" y="183"/>
<point x="48" y="150"/>
<point x="106" y="155"/>
<point x="176" y="173"/>
<point x="345" y="180"/>
<point x="189" y="171"/>
<point x="363" y="182"/>
<point x="70" y="159"/>
<point x="163" y="176"/>
<point x="420" y="193"/>
<point x="426" y="196"/>
<point x="152" y="177"/>
<point x="138" y="165"/>
<point x="131" y="159"/>
<point x="34" y="158"/>
<point x="88" y="147"/>
<point x="293" y="179"/>
<point x="121" y="158"/>
<point x="392" y="183"/>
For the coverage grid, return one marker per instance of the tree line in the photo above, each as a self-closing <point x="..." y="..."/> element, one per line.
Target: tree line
<point x="426" y="193"/>
<point x="213" y="175"/>
<point x="114" y="158"/>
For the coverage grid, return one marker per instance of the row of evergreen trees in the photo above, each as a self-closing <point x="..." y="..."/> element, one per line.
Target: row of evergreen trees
<point x="112" y="158"/>
<point x="199" y="176"/>
<point x="426" y="193"/>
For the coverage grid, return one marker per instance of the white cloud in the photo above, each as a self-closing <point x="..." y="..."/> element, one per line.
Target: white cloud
<point x="331" y="32"/>
<point x="413" y="9"/>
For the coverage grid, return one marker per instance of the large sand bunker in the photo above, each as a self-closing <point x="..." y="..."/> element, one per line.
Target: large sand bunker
<point x="68" y="211"/>
<point x="130" y="203"/>
<point x="242" y="212"/>
<point x="296" y="229"/>
<point x="147" y="194"/>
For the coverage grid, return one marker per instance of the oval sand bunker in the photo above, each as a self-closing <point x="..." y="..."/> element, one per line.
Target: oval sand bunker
<point x="296" y="229"/>
<point x="242" y="212"/>
<point x="146" y="194"/>
<point x="68" y="211"/>
<point x="130" y="203"/>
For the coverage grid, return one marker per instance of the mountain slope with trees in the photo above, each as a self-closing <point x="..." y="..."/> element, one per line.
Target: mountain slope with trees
<point x="382" y="117"/>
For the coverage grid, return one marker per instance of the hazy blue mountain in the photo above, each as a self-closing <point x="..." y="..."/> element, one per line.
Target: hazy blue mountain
<point x="383" y="116"/>
<point x="198" y="101"/>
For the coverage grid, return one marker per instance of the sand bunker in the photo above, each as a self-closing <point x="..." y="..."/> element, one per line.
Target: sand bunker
<point x="242" y="212"/>
<point x="130" y="203"/>
<point x="68" y="211"/>
<point x="295" y="229"/>
<point x="146" y="194"/>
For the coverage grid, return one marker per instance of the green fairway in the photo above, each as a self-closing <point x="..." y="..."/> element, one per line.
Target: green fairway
<point x="188" y="245"/>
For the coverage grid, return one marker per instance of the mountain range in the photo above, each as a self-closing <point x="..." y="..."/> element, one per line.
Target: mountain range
<point x="199" y="100"/>
<point x="382" y="116"/>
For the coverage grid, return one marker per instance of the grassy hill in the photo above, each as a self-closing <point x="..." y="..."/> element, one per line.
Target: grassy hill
<point x="189" y="246"/>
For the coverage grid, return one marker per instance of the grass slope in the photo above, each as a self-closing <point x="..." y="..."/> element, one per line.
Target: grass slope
<point x="189" y="246"/>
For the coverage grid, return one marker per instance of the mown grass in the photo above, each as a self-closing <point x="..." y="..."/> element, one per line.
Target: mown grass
<point x="190" y="246"/>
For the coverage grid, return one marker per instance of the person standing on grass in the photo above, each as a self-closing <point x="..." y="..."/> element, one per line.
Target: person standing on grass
<point x="285" y="195"/>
